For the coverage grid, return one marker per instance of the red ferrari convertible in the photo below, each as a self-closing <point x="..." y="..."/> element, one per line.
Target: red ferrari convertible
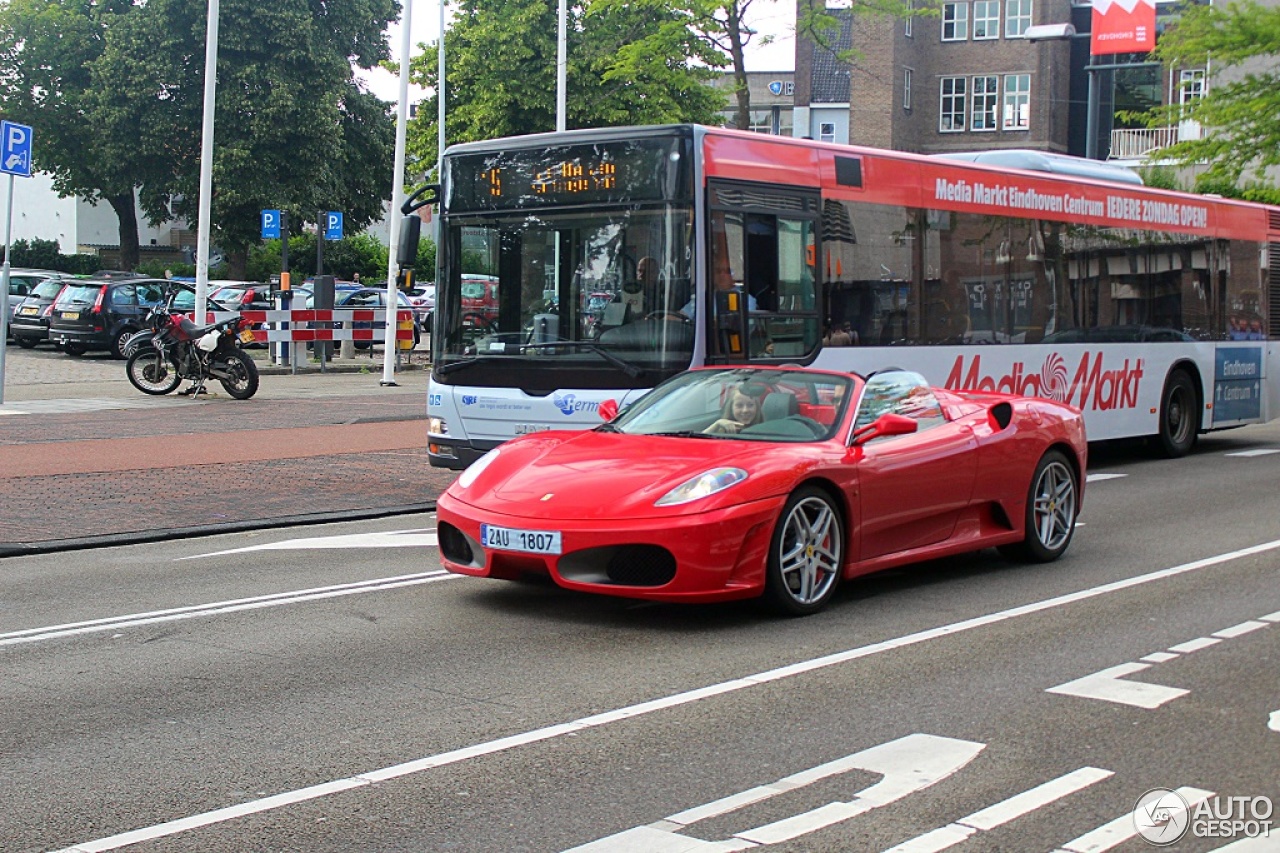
<point x="726" y="483"/>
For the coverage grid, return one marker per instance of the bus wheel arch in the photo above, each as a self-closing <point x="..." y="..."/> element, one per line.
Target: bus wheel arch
<point x="1181" y="411"/>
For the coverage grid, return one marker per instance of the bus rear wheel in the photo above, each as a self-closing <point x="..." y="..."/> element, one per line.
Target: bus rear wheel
<point x="1179" y="416"/>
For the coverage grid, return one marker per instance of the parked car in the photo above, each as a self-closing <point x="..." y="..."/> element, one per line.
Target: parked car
<point x="29" y="324"/>
<point x="423" y="300"/>
<point x="357" y="296"/>
<point x="21" y="282"/>
<point x="479" y="295"/>
<point x="102" y="314"/>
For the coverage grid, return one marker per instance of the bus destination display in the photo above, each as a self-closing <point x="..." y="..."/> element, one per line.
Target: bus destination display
<point x="634" y="170"/>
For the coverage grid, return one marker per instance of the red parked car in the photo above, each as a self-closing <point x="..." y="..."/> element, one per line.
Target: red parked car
<point x="727" y="483"/>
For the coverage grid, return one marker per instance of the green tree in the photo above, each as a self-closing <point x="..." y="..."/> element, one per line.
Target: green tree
<point x="501" y="67"/>
<point x="49" y="50"/>
<point x="714" y="32"/>
<point x="115" y="91"/>
<point x="1240" y="113"/>
<point x="292" y="130"/>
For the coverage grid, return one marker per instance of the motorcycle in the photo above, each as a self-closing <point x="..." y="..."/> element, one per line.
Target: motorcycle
<point x="173" y="349"/>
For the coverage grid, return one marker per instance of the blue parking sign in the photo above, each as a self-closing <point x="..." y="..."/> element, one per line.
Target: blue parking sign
<point x="15" y="148"/>
<point x="270" y="224"/>
<point x="333" y="225"/>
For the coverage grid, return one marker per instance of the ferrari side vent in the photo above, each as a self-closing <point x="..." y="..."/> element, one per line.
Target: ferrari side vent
<point x="1001" y="414"/>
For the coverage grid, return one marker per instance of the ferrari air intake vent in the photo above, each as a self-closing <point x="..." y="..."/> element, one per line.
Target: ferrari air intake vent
<point x="455" y="545"/>
<point x="620" y="565"/>
<point x="642" y="565"/>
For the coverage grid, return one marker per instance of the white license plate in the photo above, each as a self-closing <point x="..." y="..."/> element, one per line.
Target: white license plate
<point x="529" y="541"/>
<point x="29" y="312"/>
<point x="71" y="315"/>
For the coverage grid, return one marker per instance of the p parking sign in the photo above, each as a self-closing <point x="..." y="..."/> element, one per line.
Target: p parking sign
<point x="270" y="224"/>
<point x="15" y="148"/>
<point x="333" y="225"/>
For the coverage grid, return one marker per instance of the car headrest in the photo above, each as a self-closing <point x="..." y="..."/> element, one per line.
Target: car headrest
<point x="779" y="405"/>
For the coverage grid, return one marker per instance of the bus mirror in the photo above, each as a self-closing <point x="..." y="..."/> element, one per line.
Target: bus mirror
<point x="410" y="234"/>
<point x="608" y="410"/>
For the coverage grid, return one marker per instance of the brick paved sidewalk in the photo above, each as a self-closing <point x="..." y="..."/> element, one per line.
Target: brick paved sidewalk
<point x="306" y="448"/>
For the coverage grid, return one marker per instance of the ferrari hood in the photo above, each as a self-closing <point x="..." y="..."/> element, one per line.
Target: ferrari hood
<point x="589" y="475"/>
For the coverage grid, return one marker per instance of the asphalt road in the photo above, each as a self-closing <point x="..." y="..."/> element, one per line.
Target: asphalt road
<point x="237" y="693"/>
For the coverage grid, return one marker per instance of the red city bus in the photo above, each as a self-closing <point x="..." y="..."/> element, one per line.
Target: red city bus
<point x="1154" y="312"/>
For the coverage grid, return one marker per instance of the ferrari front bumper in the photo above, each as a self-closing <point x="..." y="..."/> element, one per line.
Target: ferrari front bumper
<point x="711" y="556"/>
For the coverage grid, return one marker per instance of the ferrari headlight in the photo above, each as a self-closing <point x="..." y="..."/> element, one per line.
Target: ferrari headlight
<point x="703" y="485"/>
<point x="475" y="469"/>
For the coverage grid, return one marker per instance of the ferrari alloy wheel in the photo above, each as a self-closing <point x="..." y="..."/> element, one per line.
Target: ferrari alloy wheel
<point x="1052" y="504"/>
<point x="806" y="553"/>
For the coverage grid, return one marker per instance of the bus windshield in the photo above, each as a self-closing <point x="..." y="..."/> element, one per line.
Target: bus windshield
<point x="598" y="290"/>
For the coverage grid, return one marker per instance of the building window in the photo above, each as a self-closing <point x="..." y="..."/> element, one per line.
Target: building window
<point x="1190" y="85"/>
<point x="955" y="21"/>
<point x="985" y="98"/>
<point x="827" y="131"/>
<point x="986" y="19"/>
<point x="952" y="104"/>
<point x="1017" y="17"/>
<point x="907" y="75"/>
<point x="1017" y="101"/>
<point x="762" y="121"/>
<point x="908" y="27"/>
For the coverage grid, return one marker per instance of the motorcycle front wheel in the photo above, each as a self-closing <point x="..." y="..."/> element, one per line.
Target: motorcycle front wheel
<point x="150" y="373"/>
<point x="241" y="380"/>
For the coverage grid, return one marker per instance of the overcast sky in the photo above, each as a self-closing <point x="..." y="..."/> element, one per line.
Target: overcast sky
<point x="774" y="17"/>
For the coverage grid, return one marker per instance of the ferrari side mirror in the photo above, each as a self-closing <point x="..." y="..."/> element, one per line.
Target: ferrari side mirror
<point x="885" y="425"/>
<point x="608" y="410"/>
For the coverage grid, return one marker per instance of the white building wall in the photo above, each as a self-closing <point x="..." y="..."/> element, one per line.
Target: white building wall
<point x="38" y="213"/>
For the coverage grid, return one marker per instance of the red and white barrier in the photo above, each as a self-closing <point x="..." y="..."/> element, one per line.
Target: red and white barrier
<point x="301" y="324"/>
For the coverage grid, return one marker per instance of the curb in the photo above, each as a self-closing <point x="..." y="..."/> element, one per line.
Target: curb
<point x="110" y="540"/>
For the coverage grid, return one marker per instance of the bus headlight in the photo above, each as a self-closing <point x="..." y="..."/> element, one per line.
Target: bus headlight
<point x="437" y="426"/>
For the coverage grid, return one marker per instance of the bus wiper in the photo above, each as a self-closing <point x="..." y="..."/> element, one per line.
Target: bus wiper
<point x="446" y="369"/>
<point x="626" y="367"/>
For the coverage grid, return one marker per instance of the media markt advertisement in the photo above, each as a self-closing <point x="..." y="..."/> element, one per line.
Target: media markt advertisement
<point x="1164" y="817"/>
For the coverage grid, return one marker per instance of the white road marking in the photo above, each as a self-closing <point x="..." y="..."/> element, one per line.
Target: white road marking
<point x="1004" y="812"/>
<point x="1109" y="686"/>
<point x="1158" y="657"/>
<point x="1194" y="645"/>
<point x="1098" y="477"/>
<point x="1259" y="452"/>
<point x="1273" y="722"/>
<point x="1240" y="630"/>
<point x="688" y="697"/>
<point x="111" y="623"/>
<point x="908" y="764"/>
<point x="425" y="538"/>
<point x="1121" y="829"/>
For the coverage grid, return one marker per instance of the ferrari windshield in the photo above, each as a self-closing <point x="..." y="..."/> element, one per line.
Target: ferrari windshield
<point x="579" y="290"/>
<point x="741" y="403"/>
